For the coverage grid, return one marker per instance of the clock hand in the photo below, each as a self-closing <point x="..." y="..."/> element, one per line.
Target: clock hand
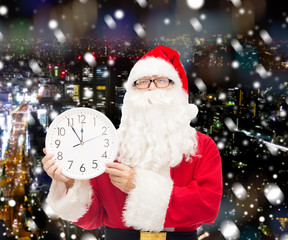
<point x="81" y="143"/>
<point x="82" y="133"/>
<point x="76" y="133"/>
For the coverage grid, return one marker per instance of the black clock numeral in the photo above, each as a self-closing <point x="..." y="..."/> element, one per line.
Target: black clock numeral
<point x="82" y="168"/>
<point x="94" y="120"/>
<point x="95" y="164"/>
<point x="71" y="162"/>
<point x="106" y="142"/>
<point x="105" y="131"/>
<point x="81" y="118"/>
<point x="104" y="155"/>
<point x="61" y="131"/>
<point x="57" y="143"/>
<point x="59" y="156"/>
<point x="70" y="122"/>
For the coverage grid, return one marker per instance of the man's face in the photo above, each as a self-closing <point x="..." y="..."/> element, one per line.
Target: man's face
<point x="153" y="82"/>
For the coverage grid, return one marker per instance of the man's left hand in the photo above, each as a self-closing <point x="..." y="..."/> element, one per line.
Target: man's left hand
<point x="121" y="176"/>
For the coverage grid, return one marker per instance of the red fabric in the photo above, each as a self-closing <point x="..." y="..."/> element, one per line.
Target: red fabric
<point x="171" y="56"/>
<point x="195" y="198"/>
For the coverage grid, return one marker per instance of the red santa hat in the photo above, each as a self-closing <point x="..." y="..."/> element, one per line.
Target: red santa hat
<point x="161" y="61"/>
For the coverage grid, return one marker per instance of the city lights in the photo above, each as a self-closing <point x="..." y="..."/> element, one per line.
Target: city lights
<point x="78" y="53"/>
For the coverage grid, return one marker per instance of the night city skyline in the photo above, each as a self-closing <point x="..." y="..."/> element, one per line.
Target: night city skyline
<point x="60" y="54"/>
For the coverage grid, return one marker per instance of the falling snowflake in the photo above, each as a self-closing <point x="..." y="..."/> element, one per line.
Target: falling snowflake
<point x="196" y="24"/>
<point x="195" y="4"/>
<point x="222" y="96"/>
<point x="139" y="30"/>
<point x="53" y="24"/>
<point x="12" y="203"/>
<point x="230" y="175"/>
<point x="239" y="191"/>
<point x="142" y="3"/>
<point x="200" y="84"/>
<point x="29" y="82"/>
<point x="34" y="66"/>
<point x="230" y="124"/>
<point x="90" y="59"/>
<point x="119" y="14"/>
<point x="3" y="10"/>
<point x="110" y="21"/>
<point x="220" y="145"/>
<point x="250" y="33"/>
<point x="256" y="84"/>
<point x="229" y="230"/>
<point x="166" y="21"/>
<point x="236" y="45"/>
<point x="88" y="93"/>
<point x="273" y="194"/>
<point x="88" y="236"/>
<point x="235" y="64"/>
<point x="111" y="62"/>
<point x="59" y="35"/>
<point x="262" y="71"/>
<point x="236" y="3"/>
<point x="284" y="236"/>
<point x="265" y="36"/>
<point x="203" y="16"/>
<point x="53" y="115"/>
<point x="242" y="11"/>
<point x="219" y="40"/>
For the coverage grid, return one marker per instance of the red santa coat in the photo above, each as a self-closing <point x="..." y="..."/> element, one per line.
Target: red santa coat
<point x="185" y="200"/>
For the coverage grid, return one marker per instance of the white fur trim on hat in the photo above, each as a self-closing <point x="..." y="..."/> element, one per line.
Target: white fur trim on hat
<point x="147" y="203"/>
<point x="71" y="205"/>
<point x="153" y="66"/>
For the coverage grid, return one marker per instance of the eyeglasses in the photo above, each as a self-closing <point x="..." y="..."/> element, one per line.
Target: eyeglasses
<point x="159" y="83"/>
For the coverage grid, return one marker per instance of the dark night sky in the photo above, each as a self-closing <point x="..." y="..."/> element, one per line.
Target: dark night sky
<point x="221" y="16"/>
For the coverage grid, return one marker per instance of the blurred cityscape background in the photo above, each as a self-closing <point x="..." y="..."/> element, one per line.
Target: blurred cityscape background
<point x="57" y="55"/>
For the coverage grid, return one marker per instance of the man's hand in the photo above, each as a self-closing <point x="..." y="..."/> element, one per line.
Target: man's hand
<point x="54" y="171"/>
<point x="121" y="176"/>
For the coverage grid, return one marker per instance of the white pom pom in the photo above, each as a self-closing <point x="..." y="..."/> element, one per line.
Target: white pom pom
<point x="192" y="111"/>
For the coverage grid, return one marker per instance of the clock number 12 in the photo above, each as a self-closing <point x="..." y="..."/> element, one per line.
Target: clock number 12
<point x="81" y="118"/>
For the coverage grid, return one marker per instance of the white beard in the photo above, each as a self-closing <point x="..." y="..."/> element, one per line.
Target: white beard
<point x="155" y="131"/>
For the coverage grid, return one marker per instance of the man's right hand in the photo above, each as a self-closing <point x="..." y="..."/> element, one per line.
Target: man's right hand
<point x="54" y="171"/>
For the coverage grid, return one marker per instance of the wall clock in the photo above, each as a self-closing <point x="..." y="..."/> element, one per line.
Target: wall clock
<point x="82" y="140"/>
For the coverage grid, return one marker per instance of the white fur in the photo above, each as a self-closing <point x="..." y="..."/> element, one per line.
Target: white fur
<point x="155" y="129"/>
<point x="71" y="205"/>
<point x="153" y="66"/>
<point x="154" y="135"/>
<point x="147" y="203"/>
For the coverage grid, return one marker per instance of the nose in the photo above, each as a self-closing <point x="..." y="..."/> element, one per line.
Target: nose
<point x="152" y="86"/>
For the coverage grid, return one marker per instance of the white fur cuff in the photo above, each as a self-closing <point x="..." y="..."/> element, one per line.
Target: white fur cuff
<point x="147" y="203"/>
<point x="73" y="204"/>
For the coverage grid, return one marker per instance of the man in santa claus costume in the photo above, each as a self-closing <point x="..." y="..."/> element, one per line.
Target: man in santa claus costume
<point x="167" y="179"/>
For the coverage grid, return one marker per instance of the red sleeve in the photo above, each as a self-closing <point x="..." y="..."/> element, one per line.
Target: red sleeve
<point x="197" y="201"/>
<point x="93" y="218"/>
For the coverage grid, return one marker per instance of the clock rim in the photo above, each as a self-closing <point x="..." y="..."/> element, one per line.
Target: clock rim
<point x="113" y="158"/>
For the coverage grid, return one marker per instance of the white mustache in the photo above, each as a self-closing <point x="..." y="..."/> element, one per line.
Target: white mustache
<point x="151" y="98"/>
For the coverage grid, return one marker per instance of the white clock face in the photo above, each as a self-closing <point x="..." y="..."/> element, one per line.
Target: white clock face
<point x="82" y="140"/>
